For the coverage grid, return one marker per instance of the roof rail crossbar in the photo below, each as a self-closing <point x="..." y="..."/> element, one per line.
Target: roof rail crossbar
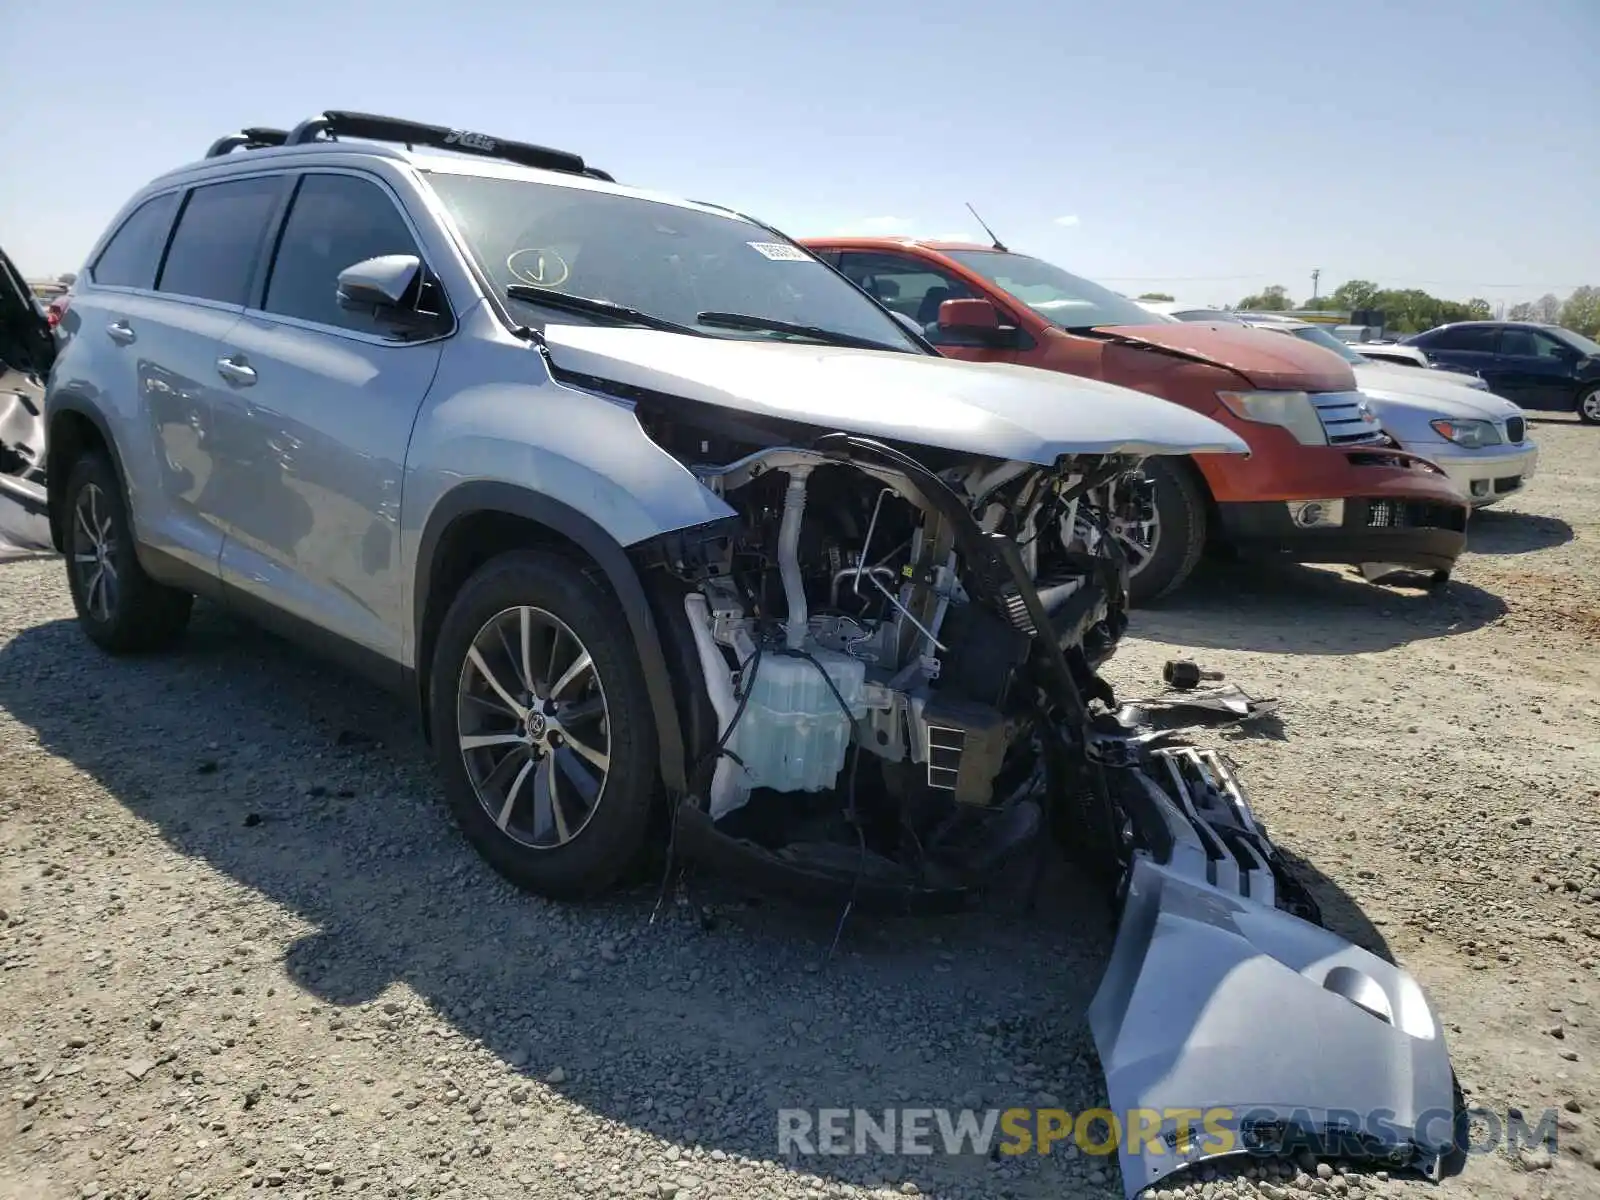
<point x="371" y="127"/>
<point x="254" y="138"/>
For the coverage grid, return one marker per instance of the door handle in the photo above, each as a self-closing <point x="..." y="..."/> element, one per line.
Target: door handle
<point x="236" y="370"/>
<point x="120" y="332"/>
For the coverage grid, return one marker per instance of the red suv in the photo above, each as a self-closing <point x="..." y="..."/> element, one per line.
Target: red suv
<point x="1323" y="482"/>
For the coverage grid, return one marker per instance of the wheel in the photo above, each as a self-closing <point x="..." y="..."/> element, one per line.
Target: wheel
<point x="1163" y="553"/>
<point x="121" y="608"/>
<point x="543" y="726"/>
<point x="1589" y="406"/>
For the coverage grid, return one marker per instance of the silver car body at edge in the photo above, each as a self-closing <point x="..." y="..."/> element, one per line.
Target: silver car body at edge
<point x="1214" y="999"/>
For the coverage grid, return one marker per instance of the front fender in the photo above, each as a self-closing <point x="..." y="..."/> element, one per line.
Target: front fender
<point x="573" y="462"/>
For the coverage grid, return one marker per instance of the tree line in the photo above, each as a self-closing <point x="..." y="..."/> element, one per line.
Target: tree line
<point x="1411" y="310"/>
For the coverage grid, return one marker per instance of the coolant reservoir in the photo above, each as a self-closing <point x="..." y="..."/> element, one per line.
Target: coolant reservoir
<point x="793" y="734"/>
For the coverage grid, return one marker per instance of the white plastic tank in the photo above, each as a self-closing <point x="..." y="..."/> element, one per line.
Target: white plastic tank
<point x="793" y="735"/>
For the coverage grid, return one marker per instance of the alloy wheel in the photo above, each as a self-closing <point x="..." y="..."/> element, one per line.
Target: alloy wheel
<point x="1138" y="539"/>
<point x="534" y="728"/>
<point x="1591" y="405"/>
<point x="94" y="548"/>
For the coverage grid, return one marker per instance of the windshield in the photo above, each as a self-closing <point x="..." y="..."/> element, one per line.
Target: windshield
<point x="660" y="259"/>
<point x="1577" y="341"/>
<point x="1315" y="333"/>
<point x="1055" y="295"/>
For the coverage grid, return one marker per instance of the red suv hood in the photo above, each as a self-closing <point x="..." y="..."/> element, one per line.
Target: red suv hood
<point x="1268" y="360"/>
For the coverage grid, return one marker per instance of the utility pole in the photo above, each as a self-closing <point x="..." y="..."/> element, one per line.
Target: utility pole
<point x="1315" y="275"/>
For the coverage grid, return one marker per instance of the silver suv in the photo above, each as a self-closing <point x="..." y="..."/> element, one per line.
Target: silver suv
<point x="675" y="536"/>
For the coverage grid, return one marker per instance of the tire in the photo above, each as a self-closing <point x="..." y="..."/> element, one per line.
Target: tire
<point x="571" y="829"/>
<point x="1589" y="406"/>
<point x="119" y="607"/>
<point x="1181" y="529"/>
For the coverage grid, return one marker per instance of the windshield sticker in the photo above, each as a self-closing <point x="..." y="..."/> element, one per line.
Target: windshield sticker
<point x="778" y="252"/>
<point x="540" y="267"/>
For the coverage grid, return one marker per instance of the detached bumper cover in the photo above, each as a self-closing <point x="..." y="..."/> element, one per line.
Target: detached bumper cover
<point x="1428" y="534"/>
<point x="1227" y="1026"/>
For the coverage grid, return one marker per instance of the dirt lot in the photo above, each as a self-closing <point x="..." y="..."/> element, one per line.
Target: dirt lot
<point x="243" y="953"/>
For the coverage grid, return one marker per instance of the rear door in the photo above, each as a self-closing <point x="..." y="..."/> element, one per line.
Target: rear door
<point x="1465" y="347"/>
<point x="210" y="267"/>
<point x="322" y="411"/>
<point x="26" y="353"/>
<point x="146" y="320"/>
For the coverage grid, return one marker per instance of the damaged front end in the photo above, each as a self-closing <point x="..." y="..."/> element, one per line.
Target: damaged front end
<point x="895" y="700"/>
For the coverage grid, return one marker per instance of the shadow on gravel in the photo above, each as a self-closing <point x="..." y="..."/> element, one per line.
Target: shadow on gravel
<point x="1292" y="609"/>
<point x="1501" y="531"/>
<point x="309" y="788"/>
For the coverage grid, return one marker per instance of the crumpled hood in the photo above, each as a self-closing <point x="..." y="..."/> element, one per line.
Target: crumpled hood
<point x="1268" y="360"/>
<point x="1432" y="390"/>
<point x="1008" y="412"/>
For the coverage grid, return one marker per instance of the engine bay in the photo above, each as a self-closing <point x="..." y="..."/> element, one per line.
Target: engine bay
<point x="901" y="656"/>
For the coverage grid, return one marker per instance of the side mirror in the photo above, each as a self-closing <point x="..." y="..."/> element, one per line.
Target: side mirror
<point x="969" y="316"/>
<point x="386" y="282"/>
<point x="973" y="322"/>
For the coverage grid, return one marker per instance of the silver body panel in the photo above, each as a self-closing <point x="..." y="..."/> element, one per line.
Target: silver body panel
<point x="1233" y="1026"/>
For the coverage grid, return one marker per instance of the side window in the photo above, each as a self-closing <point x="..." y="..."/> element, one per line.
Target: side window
<point x="1479" y="338"/>
<point x="906" y="286"/>
<point x="335" y="222"/>
<point x="132" y="255"/>
<point x="1519" y="343"/>
<point x="1544" y="346"/>
<point x="218" y="239"/>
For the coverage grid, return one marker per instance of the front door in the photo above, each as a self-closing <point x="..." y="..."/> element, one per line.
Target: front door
<point x="323" y="401"/>
<point x="1535" y="370"/>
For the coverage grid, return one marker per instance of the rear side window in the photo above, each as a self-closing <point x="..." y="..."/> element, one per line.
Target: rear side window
<point x="218" y="239"/>
<point x="132" y="255"/>
<point x="335" y="222"/>
<point x="1480" y="338"/>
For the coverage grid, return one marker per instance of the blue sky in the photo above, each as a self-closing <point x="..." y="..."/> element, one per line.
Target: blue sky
<point x="1201" y="148"/>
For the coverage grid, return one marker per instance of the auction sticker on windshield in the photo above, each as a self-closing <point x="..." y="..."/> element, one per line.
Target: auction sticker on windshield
<point x="778" y="252"/>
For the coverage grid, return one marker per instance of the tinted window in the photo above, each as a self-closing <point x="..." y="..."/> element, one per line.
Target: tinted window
<point x="911" y="288"/>
<point x="134" y="251"/>
<point x="213" y="252"/>
<point x="1467" y="337"/>
<point x="1530" y="343"/>
<point x="335" y="222"/>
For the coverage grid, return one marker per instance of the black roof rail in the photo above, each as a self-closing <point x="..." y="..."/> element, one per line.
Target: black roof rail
<point x="335" y="124"/>
<point x="249" y="139"/>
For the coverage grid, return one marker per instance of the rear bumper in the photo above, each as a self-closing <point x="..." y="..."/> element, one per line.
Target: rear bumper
<point x="1426" y="534"/>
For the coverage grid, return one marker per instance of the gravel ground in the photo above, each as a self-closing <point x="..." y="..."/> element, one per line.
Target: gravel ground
<point x="241" y="948"/>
